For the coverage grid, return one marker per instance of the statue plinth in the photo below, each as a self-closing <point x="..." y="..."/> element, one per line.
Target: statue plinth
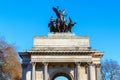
<point x="61" y="40"/>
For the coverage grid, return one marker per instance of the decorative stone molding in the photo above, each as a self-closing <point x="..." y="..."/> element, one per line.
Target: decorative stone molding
<point x="45" y="63"/>
<point x="33" y="63"/>
<point x="84" y="64"/>
<point x="98" y="65"/>
<point x="61" y="60"/>
<point x="61" y="48"/>
<point x="77" y="63"/>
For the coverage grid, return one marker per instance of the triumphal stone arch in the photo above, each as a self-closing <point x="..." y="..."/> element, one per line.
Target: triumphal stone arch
<point x="61" y="53"/>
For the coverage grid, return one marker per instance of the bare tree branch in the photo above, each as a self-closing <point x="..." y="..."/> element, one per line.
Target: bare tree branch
<point x="110" y="70"/>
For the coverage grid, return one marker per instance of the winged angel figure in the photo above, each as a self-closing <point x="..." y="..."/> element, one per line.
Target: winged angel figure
<point x="59" y="13"/>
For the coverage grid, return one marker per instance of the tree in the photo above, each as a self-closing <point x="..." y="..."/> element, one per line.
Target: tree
<point x="110" y="70"/>
<point x="10" y="67"/>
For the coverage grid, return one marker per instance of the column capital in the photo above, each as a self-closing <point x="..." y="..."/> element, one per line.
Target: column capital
<point x="45" y="63"/>
<point x="77" y="63"/>
<point x="98" y="65"/>
<point x="33" y="63"/>
<point x="90" y="63"/>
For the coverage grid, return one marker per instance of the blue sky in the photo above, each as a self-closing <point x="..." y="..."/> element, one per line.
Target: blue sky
<point x="61" y="78"/>
<point x="21" y="20"/>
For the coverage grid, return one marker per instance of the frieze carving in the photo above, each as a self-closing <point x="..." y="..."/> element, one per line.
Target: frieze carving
<point x="60" y="60"/>
<point x="61" y="49"/>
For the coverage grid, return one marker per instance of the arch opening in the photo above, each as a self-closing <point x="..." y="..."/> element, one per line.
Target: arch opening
<point x="61" y="76"/>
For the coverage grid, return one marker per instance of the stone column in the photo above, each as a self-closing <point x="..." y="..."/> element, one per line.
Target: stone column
<point x="92" y="71"/>
<point x="83" y="73"/>
<point x="33" y="70"/>
<point x="24" y="70"/>
<point x="77" y="71"/>
<point x="45" y="75"/>
<point x="98" y="71"/>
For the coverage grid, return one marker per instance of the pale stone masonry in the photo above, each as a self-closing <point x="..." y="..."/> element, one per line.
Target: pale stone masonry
<point x="62" y="54"/>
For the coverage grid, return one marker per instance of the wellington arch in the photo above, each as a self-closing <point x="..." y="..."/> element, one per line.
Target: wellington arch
<point x="61" y="53"/>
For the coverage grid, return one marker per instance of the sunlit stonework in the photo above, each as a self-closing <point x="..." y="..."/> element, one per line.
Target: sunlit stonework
<point x="61" y="54"/>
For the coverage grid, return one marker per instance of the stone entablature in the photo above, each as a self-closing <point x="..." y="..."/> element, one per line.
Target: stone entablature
<point x="61" y="59"/>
